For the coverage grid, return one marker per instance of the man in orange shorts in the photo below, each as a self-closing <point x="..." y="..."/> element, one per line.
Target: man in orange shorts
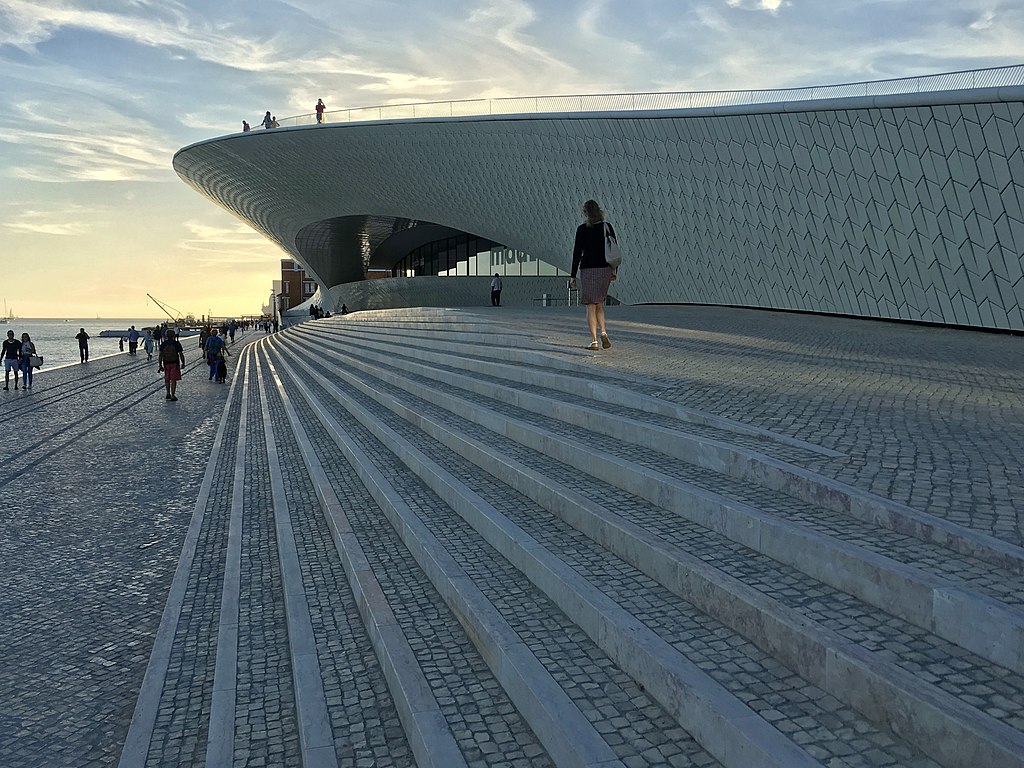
<point x="172" y="362"/>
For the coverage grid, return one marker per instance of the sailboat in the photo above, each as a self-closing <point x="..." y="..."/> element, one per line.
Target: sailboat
<point x="8" y="316"/>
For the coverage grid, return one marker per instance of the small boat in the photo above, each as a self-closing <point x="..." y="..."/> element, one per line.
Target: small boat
<point x="7" y="316"/>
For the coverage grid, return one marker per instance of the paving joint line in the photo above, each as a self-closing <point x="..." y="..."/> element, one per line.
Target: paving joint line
<point x="220" y="741"/>
<point x="316" y="739"/>
<point x="429" y="735"/>
<point x="140" y="731"/>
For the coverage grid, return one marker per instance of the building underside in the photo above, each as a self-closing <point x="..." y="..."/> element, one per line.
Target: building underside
<point x="906" y="207"/>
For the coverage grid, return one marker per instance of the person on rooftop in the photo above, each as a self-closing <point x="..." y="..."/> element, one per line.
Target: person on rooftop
<point x="245" y="126"/>
<point x="320" y="107"/>
<point x="267" y="120"/>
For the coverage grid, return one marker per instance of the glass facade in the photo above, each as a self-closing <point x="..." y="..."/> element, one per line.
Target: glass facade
<point x="470" y="255"/>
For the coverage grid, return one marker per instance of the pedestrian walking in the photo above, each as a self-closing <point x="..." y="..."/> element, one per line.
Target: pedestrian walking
<point x="133" y="341"/>
<point x="267" y="119"/>
<point x="12" y="359"/>
<point x="171" y="362"/>
<point x="214" y="347"/>
<point x="83" y="344"/>
<point x="245" y="127"/>
<point x="28" y="351"/>
<point x="595" y="274"/>
<point x="320" y="107"/>
<point x="496" y="291"/>
<point x="273" y="122"/>
<point x="147" y="343"/>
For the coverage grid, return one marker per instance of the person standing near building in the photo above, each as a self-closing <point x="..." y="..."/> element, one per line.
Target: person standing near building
<point x="83" y="344"/>
<point x="172" y="363"/>
<point x="320" y="107"/>
<point x="12" y="359"/>
<point x="595" y="273"/>
<point x="133" y="341"/>
<point x="496" y="291"/>
<point x="28" y="351"/>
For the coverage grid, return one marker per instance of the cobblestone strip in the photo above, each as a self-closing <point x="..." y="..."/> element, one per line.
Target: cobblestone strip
<point x="938" y="722"/>
<point x="608" y="388"/>
<point x="315" y="738"/>
<point x="201" y="537"/>
<point x="266" y="730"/>
<point x="876" y="565"/>
<point x="747" y="459"/>
<point x="486" y="725"/>
<point x="361" y="727"/>
<point x="221" y="738"/>
<point x="817" y="722"/>
<point x="567" y="733"/>
<point x="941" y="725"/>
<point x="638" y="730"/>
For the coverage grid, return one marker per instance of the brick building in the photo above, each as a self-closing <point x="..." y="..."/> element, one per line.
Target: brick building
<point x="296" y="285"/>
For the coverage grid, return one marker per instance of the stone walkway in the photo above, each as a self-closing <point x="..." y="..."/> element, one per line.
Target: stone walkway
<point x="929" y="417"/>
<point x="104" y="478"/>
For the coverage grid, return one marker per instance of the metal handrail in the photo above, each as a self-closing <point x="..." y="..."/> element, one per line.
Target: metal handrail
<point x="990" y="77"/>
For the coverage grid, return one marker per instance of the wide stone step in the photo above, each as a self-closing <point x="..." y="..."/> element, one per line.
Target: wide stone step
<point x="775" y="461"/>
<point x="647" y="630"/>
<point x="583" y="708"/>
<point x="241" y="664"/>
<point x="874" y="659"/>
<point x="945" y="587"/>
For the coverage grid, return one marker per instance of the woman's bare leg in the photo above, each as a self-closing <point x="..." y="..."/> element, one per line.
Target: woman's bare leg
<point x="592" y="320"/>
<point x="600" y="318"/>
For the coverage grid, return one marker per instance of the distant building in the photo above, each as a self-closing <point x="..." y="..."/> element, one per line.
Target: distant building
<point x="296" y="285"/>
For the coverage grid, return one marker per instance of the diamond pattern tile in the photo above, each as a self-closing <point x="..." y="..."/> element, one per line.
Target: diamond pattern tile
<point x="910" y="212"/>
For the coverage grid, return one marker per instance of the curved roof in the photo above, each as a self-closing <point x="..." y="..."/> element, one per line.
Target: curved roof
<point x="865" y="206"/>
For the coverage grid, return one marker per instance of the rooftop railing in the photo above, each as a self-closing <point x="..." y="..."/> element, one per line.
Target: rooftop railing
<point x="610" y="102"/>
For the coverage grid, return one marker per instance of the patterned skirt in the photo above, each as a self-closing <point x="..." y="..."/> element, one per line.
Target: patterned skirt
<point x="593" y="285"/>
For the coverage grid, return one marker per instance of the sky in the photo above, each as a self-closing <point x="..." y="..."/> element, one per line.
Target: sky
<point x="97" y="95"/>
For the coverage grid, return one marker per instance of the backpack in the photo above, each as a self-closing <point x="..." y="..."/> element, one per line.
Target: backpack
<point x="168" y="355"/>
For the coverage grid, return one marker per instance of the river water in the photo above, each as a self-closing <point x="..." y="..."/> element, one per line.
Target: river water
<point x="55" y="339"/>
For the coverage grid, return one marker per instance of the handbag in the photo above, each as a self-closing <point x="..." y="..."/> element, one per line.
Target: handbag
<point x="36" y="361"/>
<point x="612" y="252"/>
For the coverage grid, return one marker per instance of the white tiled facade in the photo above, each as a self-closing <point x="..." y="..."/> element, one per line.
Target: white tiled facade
<point x="911" y="211"/>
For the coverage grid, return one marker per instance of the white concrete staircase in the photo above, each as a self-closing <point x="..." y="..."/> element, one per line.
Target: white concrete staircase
<point x="420" y="518"/>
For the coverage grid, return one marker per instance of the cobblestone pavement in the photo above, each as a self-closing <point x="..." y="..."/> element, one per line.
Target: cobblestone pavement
<point x="825" y="727"/>
<point x="101" y="474"/>
<point x="929" y="417"/>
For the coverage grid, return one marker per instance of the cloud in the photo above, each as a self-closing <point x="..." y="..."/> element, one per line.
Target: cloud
<point x="69" y="221"/>
<point x="756" y="5"/>
<point x="233" y="242"/>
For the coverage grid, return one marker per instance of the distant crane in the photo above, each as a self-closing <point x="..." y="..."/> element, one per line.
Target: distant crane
<point x="166" y="307"/>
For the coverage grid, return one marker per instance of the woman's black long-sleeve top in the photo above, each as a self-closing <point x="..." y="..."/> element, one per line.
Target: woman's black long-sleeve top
<point x="588" y="251"/>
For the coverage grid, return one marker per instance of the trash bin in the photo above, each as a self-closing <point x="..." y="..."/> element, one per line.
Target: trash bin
<point x="545" y="299"/>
